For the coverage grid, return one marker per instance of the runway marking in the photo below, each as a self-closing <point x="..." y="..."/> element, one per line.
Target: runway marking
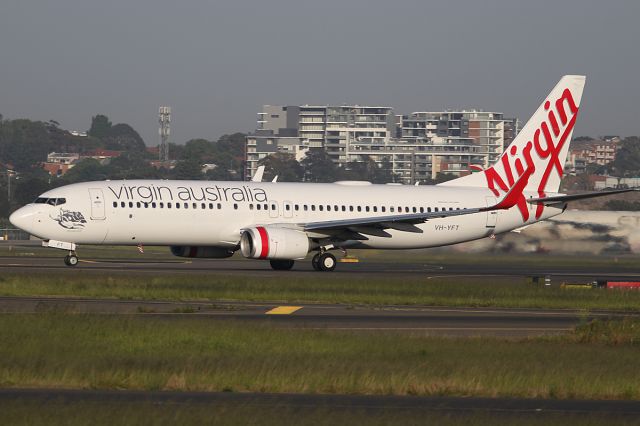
<point x="283" y="310"/>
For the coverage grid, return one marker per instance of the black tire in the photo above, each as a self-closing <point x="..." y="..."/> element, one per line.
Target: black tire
<point x="327" y="262"/>
<point x="315" y="261"/>
<point x="71" y="260"/>
<point x="281" y="265"/>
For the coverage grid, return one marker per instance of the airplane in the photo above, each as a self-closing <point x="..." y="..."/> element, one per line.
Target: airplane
<point x="284" y="222"/>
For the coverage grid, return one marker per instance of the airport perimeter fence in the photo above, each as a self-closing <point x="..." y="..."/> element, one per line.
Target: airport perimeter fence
<point x="13" y="234"/>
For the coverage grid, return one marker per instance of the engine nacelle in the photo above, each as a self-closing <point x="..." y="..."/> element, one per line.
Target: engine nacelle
<point x="264" y="242"/>
<point x="209" y="252"/>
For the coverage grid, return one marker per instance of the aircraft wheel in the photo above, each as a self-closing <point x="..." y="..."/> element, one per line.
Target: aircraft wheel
<point x="315" y="262"/>
<point x="71" y="260"/>
<point x="281" y="265"/>
<point x="327" y="262"/>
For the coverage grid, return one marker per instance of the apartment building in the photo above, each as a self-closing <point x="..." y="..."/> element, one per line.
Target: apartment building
<point x="418" y="145"/>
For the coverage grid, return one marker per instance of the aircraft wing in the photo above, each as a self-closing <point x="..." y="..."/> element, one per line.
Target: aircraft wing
<point x="559" y="199"/>
<point x="406" y="222"/>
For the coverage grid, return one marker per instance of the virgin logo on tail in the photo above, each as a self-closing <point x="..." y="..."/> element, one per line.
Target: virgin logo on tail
<point x="543" y="152"/>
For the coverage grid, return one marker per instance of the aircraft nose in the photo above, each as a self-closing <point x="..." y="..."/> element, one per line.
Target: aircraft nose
<point x="22" y="218"/>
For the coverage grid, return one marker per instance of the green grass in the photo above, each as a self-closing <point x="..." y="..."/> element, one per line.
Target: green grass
<point x="135" y="413"/>
<point x="453" y="291"/>
<point x="105" y="352"/>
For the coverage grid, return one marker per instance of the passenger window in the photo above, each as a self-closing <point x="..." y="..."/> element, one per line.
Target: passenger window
<point x="421" y="209"/>
<point x="138" y="204"/>
<point x="414" y="210"/>
<point x="382" y="209"/>
<point x="429" y="209"/>
<point x="305" y="207"/>
<point x="203" y="205"/>
<point x="366" y="209"/>
<point x="210" y="206"/>
<point x="130" y="204"/>
<point x="153" y="205"/>
<point x="359" y="208"/>
<point x="266" y="207"/>
<point x="375" y="209"/>
<point x="320" y="207"/>
<point x="296" y="207"/>
<point x="335" y="208"/>
<point x="168" y="205"/>
<point x="146" y="205"/>
<point x="122" y="204"/>
<point x="406" y="209"/>
<point x="250" y="206"/>
<point x="235" y="206"/>
<point x="194" y="205"/>
<point x="350" y="208"/>
<point x="391" y="209"/>
<point x="344" y="208"/>
<point x="161" y="205"/>
<point x="436" y="209"/>
<point x="177" y="205"/>
<point x="115" y="204"/>
<point x="219" y="206"/>
<point x="186" y="205"/>
<point x="287" y="207"/>
<point x="313" y="207"/>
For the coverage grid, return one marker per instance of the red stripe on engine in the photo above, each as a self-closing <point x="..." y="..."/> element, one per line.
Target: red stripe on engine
<point x="264" y="237"/>
<point x="193" y="251"/>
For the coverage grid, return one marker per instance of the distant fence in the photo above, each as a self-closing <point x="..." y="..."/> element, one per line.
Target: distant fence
<point x="13" y="234"/>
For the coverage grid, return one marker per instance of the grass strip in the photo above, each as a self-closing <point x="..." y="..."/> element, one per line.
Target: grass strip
<point x="145" y="353"/>
<point x="454" y="291"/>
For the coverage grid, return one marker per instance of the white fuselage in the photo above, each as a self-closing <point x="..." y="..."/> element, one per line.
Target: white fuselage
<point x="202" y="213"/>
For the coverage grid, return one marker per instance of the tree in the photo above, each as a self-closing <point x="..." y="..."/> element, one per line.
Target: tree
<point x="100" y="126"/>
<point x="28" y="188"/>
<point x="187" y="170"/>
<point x="318" y="166"/>
<point x="123" y="137"/>
<point x="85" y="170"/>
<point x="283" y="165"/>
<point x="627" y="161"/>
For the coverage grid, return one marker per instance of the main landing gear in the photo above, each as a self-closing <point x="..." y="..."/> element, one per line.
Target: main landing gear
<point x="324" y="262"/>
<point x="71" y="259"/>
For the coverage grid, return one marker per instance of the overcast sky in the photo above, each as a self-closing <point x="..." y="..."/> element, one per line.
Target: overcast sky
<point x="217" y="62"/>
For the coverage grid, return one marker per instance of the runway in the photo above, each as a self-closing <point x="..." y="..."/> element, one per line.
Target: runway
<point x="303" y="268"/>
<point x="438" y="321"/>
<point x="303" y="403"/>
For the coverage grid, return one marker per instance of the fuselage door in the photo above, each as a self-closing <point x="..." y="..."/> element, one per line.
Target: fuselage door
<point x="97" y="204"/>
<point x="492" y="216"/>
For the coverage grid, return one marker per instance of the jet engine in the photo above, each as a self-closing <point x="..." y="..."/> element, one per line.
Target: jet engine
<point x="210" y="252"/>
<point x="264" y="242"/>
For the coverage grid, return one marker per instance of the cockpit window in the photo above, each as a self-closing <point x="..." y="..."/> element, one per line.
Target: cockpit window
<point x="51" y="201"/>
